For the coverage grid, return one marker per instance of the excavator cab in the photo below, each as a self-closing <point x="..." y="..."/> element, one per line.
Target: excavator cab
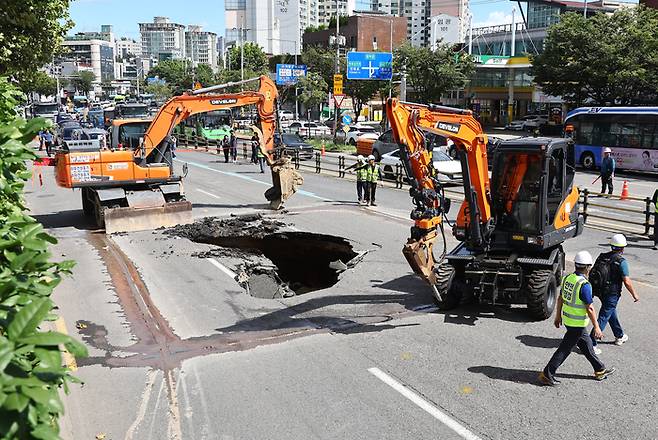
<point x="533" y="194"/>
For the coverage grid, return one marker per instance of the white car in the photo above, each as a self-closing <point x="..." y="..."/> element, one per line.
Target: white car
<point x="449" y="170"/>
<point x="527" y="123"/>
<point x="308" y="129"/>
<point x="356" y="131"/>
<point x="286" y="115"/>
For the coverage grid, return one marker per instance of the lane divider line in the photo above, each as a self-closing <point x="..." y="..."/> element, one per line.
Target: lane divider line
<point x="221" y="267"/>
<point x="250" y="179"/>
<point x="208" y="193"/>
<point x="68" y="358"/>
<point x="424" y="404"/>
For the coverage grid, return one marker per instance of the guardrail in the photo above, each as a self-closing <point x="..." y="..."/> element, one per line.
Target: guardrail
<point x="622" y="214"/>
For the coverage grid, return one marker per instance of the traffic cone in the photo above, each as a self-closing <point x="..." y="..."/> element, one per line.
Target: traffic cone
<point x="624" y="191"/>
<point x="323" y="153"/>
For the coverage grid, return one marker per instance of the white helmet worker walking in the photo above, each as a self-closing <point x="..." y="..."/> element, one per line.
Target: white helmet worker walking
<point x="607" y="150"/>
<point x="583" y="258"/>
<point x="360" y="158"/>
<point x="618" y="241"/>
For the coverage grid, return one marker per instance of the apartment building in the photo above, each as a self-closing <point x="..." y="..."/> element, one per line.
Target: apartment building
<point x="162" y="39"/>
<point x="201" y="46"/>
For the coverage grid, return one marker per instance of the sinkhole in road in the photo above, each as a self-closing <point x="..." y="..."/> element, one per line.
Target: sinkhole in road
<point x="301" y="262"/>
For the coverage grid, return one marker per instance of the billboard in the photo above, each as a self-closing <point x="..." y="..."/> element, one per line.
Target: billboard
<point x="289" y="73"/>
<point x="370" y="65"/>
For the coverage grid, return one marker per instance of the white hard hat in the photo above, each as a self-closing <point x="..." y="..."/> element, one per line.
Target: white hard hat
<point x="618" y="240"/>
<point x="607" y="150"/>
<point x="583" y="258"/>
<point x="371" y="157"/>
<point x="360" y="158"/>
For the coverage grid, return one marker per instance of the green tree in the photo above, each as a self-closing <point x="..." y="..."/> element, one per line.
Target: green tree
<point x="38" y="82"/>
<point x="431" y="74"/>
<point x="203" y="73"/>
<point x="601" y="60"/>
<point x="176" y="73"/>
<point x="255" y="59"/>
<point x="159" y="90"/>
<point x="83" y="81"/>
<point x="30" y="32"/>
<point x="320" y="60"/>
<point x="312" y="90"/>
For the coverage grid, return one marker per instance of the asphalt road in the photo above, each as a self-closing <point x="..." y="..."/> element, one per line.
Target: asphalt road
<point x="178" y="350"/>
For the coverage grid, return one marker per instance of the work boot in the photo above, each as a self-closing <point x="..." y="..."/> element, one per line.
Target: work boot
<point x="373" y="204"/>
<point x="603" y="374"/>
<point x="547" y="380"/>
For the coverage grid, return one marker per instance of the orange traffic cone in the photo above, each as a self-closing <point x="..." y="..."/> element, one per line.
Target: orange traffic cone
<point x="323" y="149"/>
<point x="624" y="191"/>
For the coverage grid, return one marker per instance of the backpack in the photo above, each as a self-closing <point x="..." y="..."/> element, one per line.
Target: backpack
<point x="602" y="275"/>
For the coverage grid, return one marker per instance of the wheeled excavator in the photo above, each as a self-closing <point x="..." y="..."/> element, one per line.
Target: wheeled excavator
<point x="510" y="228"/>
<point x="128" y="189"/>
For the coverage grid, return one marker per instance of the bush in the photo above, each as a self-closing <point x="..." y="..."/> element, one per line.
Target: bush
<point x="31" y="371"/>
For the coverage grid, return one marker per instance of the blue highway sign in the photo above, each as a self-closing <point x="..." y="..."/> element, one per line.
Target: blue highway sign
<point x="369" y="65"/>
<point x="289" y="73"/>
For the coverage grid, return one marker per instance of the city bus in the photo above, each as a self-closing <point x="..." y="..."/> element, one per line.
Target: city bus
<point x="630" y="132"/>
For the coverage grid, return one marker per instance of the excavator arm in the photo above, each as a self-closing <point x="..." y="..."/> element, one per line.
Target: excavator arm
<point x="155" y="145"/>
<point x="409" y="123"/>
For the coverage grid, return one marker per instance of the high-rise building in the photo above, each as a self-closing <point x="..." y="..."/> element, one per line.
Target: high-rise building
<point x="327" y="9"/>
<point x="88" y="51"/>
<point x="275" y="25"/>
<point x="162" y="39"/>
<point x="201" y="46"/>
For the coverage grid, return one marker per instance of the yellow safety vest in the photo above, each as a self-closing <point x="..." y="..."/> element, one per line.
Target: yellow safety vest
<point x="372" y="174"/>
<point x="574" y="310"/>
<point x="361" y="172"/>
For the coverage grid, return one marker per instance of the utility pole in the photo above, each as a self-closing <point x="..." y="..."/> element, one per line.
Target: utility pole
<point x="242" y="56"/>
<point x="337" y="67"/>
<point x="296" y="101"/>
<point x="510" y="90"/>
<point x="585" y="9"/>
<point x="390" y="86"/>
<point x="470" y="33"/>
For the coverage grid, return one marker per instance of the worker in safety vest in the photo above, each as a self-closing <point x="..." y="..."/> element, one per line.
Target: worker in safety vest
<point x="361" y="175"/>
<point x="575" y="309"/>
<point x="372" y="176"/>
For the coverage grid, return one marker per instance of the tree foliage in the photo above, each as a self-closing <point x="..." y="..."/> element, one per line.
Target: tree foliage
<point x="605" y="59"/>
<point x="321" y="61"/>
<point x="31" y="371"/>
<point x="255" y="59"/>
<point x="431" y="74"/>
<point x="83" y="81"/>
<point x="312" y="89"/>
<point x="30" y="32"/>
<point x="38" y="82"/>
<point x="179" y="75"/>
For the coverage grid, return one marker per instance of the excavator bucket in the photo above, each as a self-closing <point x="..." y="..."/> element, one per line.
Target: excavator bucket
<point x="419" y="255"/>
<point x="147" y="209"/>
<point x="285" y="181"/>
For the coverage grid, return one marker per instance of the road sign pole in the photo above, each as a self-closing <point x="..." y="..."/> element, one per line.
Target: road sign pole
<point x="337" y="71"/>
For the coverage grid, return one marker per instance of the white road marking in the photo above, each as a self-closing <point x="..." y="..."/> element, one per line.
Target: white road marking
<point x="424" y="404"/>
<point x="221" y="267"/>
<point x="208" y="193"/>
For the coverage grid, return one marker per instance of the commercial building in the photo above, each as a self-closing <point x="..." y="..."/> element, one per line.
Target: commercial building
<point x="162" y="39"/>
<point x="128" y="48"/>
<point x="364" y="32"/>
<point x="502" y="73"/>
<point x="201" y="46"/>
<point x="86" y="51"/>
<point x="327" y="9"/>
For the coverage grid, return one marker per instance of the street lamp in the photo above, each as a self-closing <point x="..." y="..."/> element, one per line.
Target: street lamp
<point x="296" y="50"/>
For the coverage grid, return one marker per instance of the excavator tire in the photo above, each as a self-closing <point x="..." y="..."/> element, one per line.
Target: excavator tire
<point x="541" y="288"/>
<point x="87" y="204"/>
<point x="448" y="286"/>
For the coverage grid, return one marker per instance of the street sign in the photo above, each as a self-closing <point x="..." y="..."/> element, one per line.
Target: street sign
<point x="338" y="100"/>
<point x="338" y="84"/>
<point x="370" y="65"/>
<point x="347" y="119"/>
<point x="289" y="73"/>
<point x="197" y="85"/>
<point x="346" y="128"/>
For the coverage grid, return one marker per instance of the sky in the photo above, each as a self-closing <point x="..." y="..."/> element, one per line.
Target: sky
<point x="124" y="15"/>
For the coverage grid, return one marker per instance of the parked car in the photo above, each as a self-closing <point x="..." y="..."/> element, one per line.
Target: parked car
<point x="293" y="143"/>
<point x="385" y="144"/>
<point x="528" y="123"/>
<point x="356" y="131"/>
<point x="306" y="128"/>
<point x="286" y="115"/>
<point x="449" y="170"/>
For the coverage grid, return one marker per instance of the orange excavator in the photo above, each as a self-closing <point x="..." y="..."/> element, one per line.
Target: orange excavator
<point x="510" y="228"/>
<point x="128" y="189"/>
